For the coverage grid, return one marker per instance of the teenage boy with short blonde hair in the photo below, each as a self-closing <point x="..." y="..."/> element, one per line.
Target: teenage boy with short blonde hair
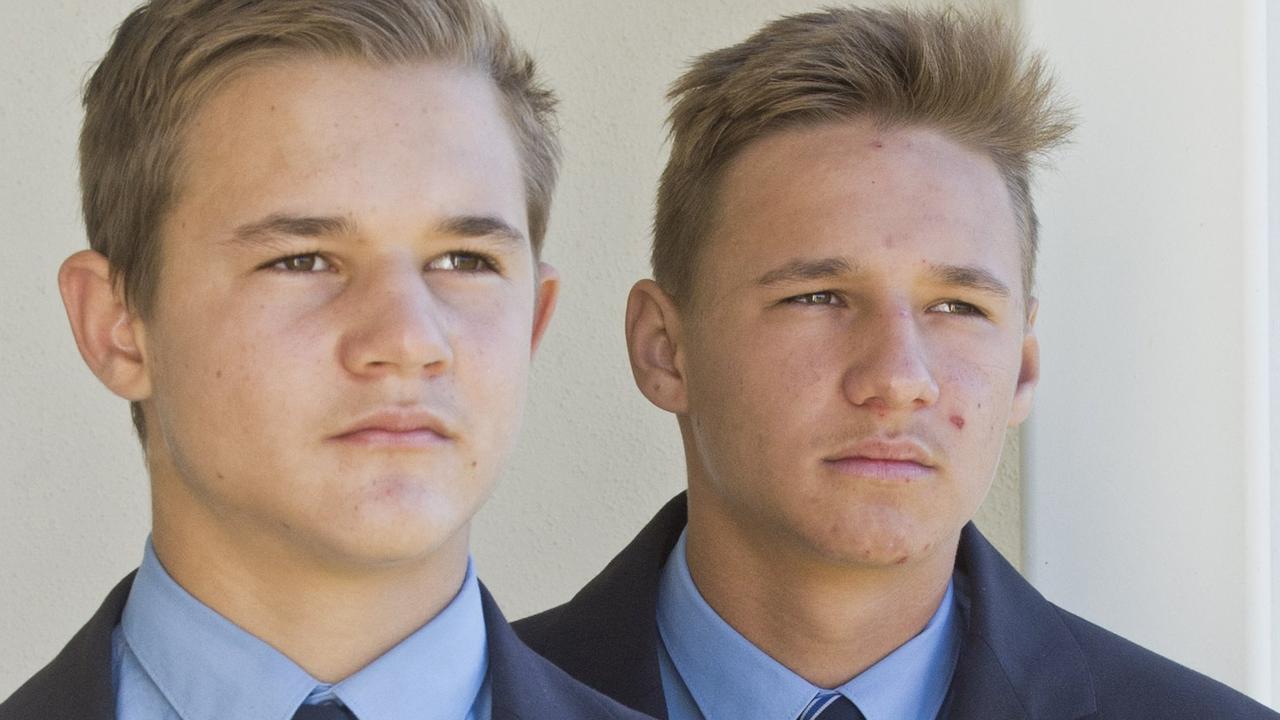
<point x="315" y="230"/>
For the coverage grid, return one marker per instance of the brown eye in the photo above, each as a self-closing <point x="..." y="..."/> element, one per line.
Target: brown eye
<point x="818" y="298"/>
<point x="305" y="263"/>
<point x="955" y="307"/>
<point x="461" y="262"/>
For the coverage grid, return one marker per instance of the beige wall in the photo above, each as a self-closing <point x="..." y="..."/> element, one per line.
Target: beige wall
<point x="595" y="460"/>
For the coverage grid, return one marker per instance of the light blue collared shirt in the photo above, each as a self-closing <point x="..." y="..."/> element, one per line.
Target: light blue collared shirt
<point x="174" y="658"/>
<point x="711" y="672"/>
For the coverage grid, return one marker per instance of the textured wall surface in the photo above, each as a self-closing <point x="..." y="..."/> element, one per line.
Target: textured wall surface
<point x="1000" y="517"/>
<point x="595" y="460"/>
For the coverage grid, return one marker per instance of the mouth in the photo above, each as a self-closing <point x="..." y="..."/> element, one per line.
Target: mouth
<point x="884" y="470"/>
<point x="397" y="428"/>
<point x="884" y="460"/>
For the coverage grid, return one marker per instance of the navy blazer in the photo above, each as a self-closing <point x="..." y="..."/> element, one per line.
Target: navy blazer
<point x="1021" y="658"/>
<point x="77" y="685"/>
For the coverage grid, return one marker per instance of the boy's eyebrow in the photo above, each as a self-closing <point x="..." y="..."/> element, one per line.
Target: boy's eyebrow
<point x="278" y="225"/>
<point x="806" y="269"/>
<point x="481" y="226"/>
<point x="970" y="276"/>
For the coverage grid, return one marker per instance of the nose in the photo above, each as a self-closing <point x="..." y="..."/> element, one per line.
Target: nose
<point x="891" y="369"/>
<point x="397" y="328"/>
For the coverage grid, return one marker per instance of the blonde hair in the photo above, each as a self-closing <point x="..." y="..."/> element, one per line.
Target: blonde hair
<point x="964" y="75"/>
<point x="169" y="56"/>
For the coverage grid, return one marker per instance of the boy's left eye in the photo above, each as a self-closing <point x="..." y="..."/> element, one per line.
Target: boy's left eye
<point x="305" y="263"/>
<point x="824" y="297"/>
<point x="462" y="262"/>
<point x="955" y="307"/>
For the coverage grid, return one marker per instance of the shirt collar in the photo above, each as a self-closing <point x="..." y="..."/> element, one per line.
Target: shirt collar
<point x="208" y="668"/>
<point x="434" y="674"/>
<point x="912" y="681"/>
<point x="728" y="676"/>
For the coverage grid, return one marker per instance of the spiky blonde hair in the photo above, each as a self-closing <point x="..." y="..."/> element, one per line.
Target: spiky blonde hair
<point x="966" y="75"/>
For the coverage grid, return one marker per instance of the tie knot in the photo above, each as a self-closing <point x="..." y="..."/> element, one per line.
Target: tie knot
<point x="831" y="706"/>
<point x="323" y="711"/>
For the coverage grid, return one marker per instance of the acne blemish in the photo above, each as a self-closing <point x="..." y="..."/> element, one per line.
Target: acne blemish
<point x="957" y="421"/>
<point x="877" y="144"/>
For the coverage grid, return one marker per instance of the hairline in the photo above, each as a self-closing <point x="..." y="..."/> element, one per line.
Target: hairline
<point x="213" y="81"/>
<point x="689" y="299"/>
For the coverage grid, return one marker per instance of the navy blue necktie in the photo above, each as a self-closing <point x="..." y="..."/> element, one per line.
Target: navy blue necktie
<point x="831" y="706"/>
<point x="323" y="711"/>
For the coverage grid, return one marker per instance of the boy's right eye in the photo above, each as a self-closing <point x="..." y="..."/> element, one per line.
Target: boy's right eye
<point x="304" y="263"/>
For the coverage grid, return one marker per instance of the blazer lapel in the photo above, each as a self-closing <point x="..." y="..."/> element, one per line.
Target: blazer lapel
<point x="515" y="693"/>
<point x="1018" y="659"/>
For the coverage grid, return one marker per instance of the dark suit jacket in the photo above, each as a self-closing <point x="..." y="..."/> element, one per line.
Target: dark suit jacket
<point x="1021" y="657"/>
<point x="77" y="685"/>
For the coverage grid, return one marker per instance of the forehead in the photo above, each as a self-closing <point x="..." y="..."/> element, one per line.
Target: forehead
<point x="886" y="199"/>
<point x="350" y="138"/>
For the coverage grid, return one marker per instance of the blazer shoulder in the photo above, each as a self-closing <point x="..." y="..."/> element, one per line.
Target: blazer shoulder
<point x="616" y="610"/>
<point x="538" y="630"/>
<point x="1131" y="681"/>
<point x="528" y="686"/>
<point x="77" y="684"/>
<point x="48" y="689"/>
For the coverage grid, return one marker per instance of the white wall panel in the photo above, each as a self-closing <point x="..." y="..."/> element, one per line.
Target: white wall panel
<point x="1273" y="247"/>
<point x="1146" y="483"/>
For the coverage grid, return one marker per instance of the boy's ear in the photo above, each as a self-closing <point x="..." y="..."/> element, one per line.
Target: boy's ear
<point x="110" y="337"/>
<point x="654" y="344"/>
<point x="546" y="292"/>
<point x="1029" y="372"/>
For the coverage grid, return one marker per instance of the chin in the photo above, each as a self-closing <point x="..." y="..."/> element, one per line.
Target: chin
<point x="873" y="538"/>
<point x="387" y="547"/>
<point x="390" y="532"/>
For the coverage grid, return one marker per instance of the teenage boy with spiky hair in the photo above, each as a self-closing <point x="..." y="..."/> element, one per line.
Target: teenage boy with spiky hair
<point x="842" y="321"/>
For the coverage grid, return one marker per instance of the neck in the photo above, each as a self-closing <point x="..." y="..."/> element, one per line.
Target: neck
<point x="825" y="621"/>
<point x="331" y="618"/>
